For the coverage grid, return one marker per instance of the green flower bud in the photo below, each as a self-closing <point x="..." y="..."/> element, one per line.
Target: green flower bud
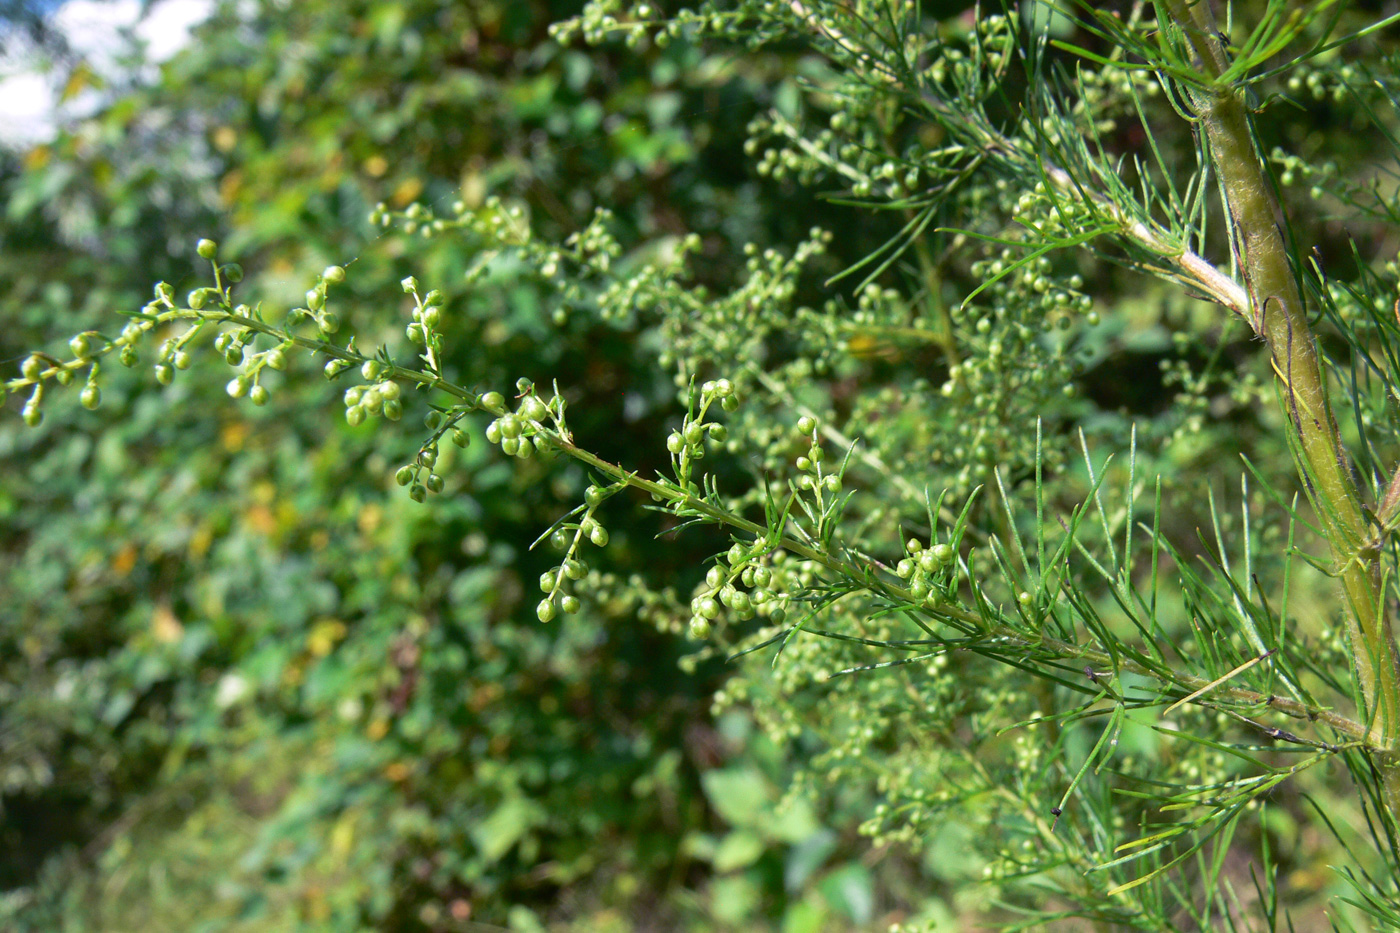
<point x="80" y="346"/>
<point x="355" y="415"/>
<point x="700" y="628"/>
<point x="575" y="569"/>
<point x="165" y="374"/>
<point x="428" y="456"/>
<point x="404" y="476"/>
<point x="806" y="424"/>
<point x="197" y="298"/>
<point x="460" y="438"/>
<point x="417" y="493"/>
<point x="493" y="432"/>
<point x="592" y="496"/>
<point x="328" y="323"/>
<point x="599" y="536"/>
<point x="510" y="446"/>
<point x="90" y="397"/>
<point x="277" y="359"/>
<point x="32" y="415"/>
<point x="545" y="610"/>
<point x="390" y="390"/>
<point x="373" y="400"/>
<point x="569" y="604"/>
<point x="207" y="249"/>
<point x="510" y="426"/>
<point x="675" y="443"/>
<point x="182" y="359"/>
<point x="393" y="409"/>
<point x="416" y="334"/>
<point x="435" y="483"/>
<point x="410" y="285"/>
<point x="237" y="387"/>
<point x="233" y="355"/>
<point x="694" y="433"/>
<point x="127" y="356"/>
<point x="233" y="273"/>
<point x="493" y="401"/>
<point x="432" y="419"/>
<point x="31" y="367"/>
<point x="718" y="433"/>
<point x="943" y="553"/>
<point x="432" y="316"/>
<point x="334" y="274"/>
<point x="259" y="395"/>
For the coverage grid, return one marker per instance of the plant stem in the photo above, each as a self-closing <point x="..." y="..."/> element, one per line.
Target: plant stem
<point x="1278" y="314"/>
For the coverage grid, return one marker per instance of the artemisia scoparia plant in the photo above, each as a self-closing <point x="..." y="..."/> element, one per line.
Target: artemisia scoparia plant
<point x="951" y="581"/>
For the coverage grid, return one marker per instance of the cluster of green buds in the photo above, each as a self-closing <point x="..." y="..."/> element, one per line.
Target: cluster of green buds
<point x="742" y="582"/>
<point x="377" y="396"/>
<point x="412" y="475"/>
<point x="687" y="445"/>
<point x="930" y="573"/>
<point x="812" y="474"/>
<point x="568" y="536"/>
<point x="1319" y="82"/>
<point x="527" y="430"/>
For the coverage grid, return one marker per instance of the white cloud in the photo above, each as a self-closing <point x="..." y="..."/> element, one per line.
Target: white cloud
<point x="96" y="30"/>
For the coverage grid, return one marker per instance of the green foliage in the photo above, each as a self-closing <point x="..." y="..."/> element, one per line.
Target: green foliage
<point x="940" y="377"/>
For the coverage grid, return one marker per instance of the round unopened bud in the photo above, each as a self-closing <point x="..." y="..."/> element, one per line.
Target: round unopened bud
<point x="259" y="395"/>
<point x="806" y="424"/>
<point x="277" y="359"/>
<point x="404" y="475"/>
<point x="943" y="553"/>
<point x="31" y="367"/>
<point x="334" y="274"/>
<point x="569" y="604"/>
<point x="410" y="285"/>
<point x="355" y="415"/>
<point x="207" y="249"/>
<point x="417" y="493"/>
<point x="393" y="409"/>
<point x="493" y="401"/>
<point x="80" y="346"/>
<point x="545" y="610"/>
<point x="237" y="387"/>
<point x="165" y="374"/>
<point x="435" y="483"/>
<point x="182" y="359"/>
<point x="90" y="397"/>
<point x="233" y="273"/>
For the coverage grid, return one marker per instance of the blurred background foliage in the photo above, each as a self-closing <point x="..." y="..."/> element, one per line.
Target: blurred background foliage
<point x="245" y="684"/>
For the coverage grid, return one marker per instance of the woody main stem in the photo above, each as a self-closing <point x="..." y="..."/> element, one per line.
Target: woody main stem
<point x="1278" y="314"/>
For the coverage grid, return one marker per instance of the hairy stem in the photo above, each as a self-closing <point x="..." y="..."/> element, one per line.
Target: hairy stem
<point x="1278" y="314"/>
